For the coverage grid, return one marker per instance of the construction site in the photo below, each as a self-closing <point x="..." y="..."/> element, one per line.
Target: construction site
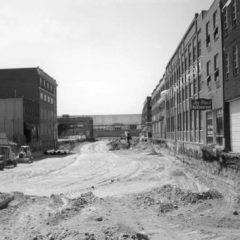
<point x="137" y="135"/>
<point x="99" y="192"/>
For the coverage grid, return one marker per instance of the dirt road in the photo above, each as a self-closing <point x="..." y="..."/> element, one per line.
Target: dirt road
<point x="130" y="195"/>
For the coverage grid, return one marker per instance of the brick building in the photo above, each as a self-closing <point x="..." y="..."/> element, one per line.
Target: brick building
<point x="39" y="93"/>
<point x="159" y="111"/>
<point x="231" y="49"/>
<point x="146" y="120"/>
<point x="194" y="74"/>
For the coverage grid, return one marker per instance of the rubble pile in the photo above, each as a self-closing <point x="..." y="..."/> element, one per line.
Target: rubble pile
<point x="70" y="208"/>
<point x="192" y="198"/>
<point x="144" y="146"/>
<point x="83" y="200"/>
<point x="169" y="197"/>
<point x="5" y="199"/>
<point x="117" y="144"/>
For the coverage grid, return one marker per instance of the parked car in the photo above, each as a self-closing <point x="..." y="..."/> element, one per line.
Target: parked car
<point x="50" y="152"/>
<point x="56" y="152"/>
<point x="7" y="157"/>
<point x="62" y="151"/>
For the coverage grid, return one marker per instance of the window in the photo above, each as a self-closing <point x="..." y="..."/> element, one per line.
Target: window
<point x="41" y="96"/>
<point x="209" y="123"/>
<point x="216" y="68"/>
<point x="194" y="53"/>
<point x="200" y="121"/>
<point x="225" y="20"/>
<point x="192" y="120"/>
<point x="199" y="48"/>
<point x="215" y="19"/>
<point x="133" y="127"/>
<point x="196" y="118"/>
<point x="194" y="86"/>
<point x="190" y="89"/>
<point x="234" y="13"/>
<point x="45" y="97"/>
<point x="208" y="38"/>
<point x="185" y="61"/>
<point x="215" y="25"/>
<point x="235" y="59"/>
<point x="201" y="126"/>
<point x="219" y="127"/>
<point x="208" y="72"/>
<point x="227" y="66"/>
<point x="189" y="56"/>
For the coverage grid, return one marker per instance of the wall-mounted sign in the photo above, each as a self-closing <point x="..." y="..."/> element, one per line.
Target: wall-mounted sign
<point x="201" y="104"/>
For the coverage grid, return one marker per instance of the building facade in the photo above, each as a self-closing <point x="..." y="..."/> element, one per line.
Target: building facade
<point x="159" y="111"/>
<point x="231" y="60"/>
<point x="12" y="119"/>
<point x="75" y="127"/>
<point x="115" y="125"/>
<point x="39" y="93"/>
<point x="146" y="121"/>
<point x="193" y="75"/>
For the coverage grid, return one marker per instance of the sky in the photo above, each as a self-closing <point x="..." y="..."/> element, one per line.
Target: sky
<point x="107" y="56"/>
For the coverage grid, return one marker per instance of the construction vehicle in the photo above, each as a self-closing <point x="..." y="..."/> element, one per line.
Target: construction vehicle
<point x="7" y="156"/>
<point x="25" y="155"/>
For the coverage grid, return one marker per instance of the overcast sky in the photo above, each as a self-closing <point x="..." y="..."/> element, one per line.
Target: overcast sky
<point x="106" y="55"/>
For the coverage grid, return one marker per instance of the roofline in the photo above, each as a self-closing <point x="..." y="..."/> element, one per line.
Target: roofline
<point x="19" y="68"/>
<point x="31" y="68"/>
<point x="184" y="36"/>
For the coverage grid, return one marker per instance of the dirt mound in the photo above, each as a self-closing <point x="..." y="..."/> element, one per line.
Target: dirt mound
<point x="144" y="146"/>
<point x="117" y="144"/>
<point x="169" y="197"/>
<point x="38" y="218"/>
<point x="5" y="199"/>
<point x="191" y="197"/>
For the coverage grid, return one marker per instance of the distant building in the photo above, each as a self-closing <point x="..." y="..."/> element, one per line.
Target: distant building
<point x="36" y="92"/>
<point x="146" y="121"/>
<point x="159" y="111"/>
<point x="231" y="62"/>
<point x="75" y="127"/>
<point x="116" y="125"/>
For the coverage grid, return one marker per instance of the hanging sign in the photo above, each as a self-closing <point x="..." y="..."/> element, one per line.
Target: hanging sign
<point x="201" y="104"/>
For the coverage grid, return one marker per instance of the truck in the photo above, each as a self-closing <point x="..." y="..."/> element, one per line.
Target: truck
<point x="7" y="155"/>
<point x="25" y="155"/>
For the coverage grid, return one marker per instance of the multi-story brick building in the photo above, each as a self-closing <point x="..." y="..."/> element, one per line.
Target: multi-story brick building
<point x="146" y="121"/>
<point x="193" y="76"/>
<point x="158" y="111"/>
<point x="18" y="119"/>
<point x="231" y="60"/>
<point x="39" y="93"/>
